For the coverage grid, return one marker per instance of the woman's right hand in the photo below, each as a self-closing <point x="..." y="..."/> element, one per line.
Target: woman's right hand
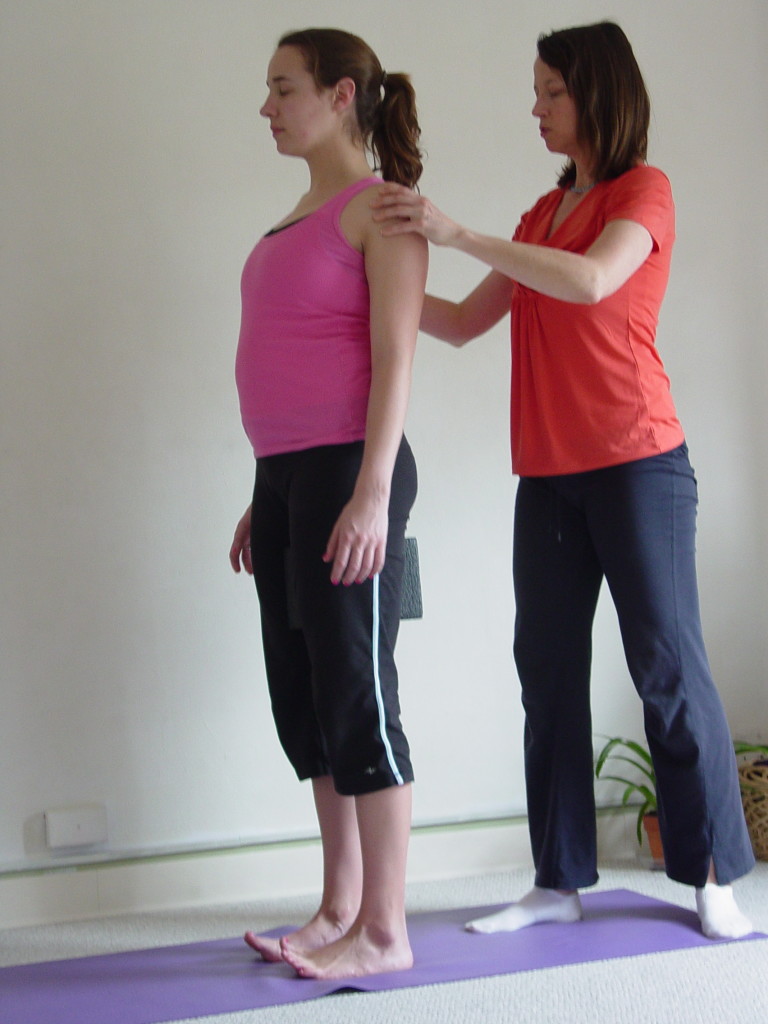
<point x="240" y="552"/>
<point x="400" y="210"/>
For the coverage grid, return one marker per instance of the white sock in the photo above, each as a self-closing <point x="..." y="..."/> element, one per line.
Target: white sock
<point x="536" y="907"/>
<point x="720" y="917"/>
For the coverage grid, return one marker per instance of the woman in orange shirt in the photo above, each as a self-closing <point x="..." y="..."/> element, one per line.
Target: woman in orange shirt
<point x="606" y="489"/>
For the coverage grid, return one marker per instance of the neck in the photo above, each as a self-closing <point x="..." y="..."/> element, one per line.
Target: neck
<point x="331" y="172"/>
<point x="584" y="179"/>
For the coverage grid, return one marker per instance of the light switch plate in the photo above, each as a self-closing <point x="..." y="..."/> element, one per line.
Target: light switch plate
<point x="76" y="825"/>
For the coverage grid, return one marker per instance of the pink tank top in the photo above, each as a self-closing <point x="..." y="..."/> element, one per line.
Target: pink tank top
<point x="303" y="366"/>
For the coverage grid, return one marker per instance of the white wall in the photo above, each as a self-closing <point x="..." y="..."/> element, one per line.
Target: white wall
<point x="136" y="175"/>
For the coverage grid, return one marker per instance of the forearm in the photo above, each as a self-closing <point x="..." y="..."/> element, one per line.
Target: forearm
<point x="460" y="322"/>
<point x="442" y="319"/>
<point x="570" y="277"/>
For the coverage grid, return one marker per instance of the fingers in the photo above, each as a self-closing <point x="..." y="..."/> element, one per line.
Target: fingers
<point x="351" y="565"/>
<point x="398" y="211"/>
<point x="390" y="192"/>
<point x="240" y="556"/>
<point x="394" y="208"/>
<point x="246" y="557"/>
<point x="354" y="561"/>
<point x="347" y="567"/>
<point x="397" y="203"/>
<point x="240" y="551"/>
<point x="234" y="557"/>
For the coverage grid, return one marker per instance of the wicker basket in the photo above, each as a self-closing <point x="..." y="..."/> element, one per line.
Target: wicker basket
<point x="754" y="795"/>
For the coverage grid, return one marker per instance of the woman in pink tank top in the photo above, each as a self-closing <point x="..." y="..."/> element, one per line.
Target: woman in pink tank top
<point x="331" y="312"/>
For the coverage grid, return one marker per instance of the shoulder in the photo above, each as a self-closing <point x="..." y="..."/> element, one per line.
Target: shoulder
<point x="644" y="195"/>
<point x="355" y="217"/>
<point x="358" y="203"/>
<point x="361" y="231"/>
<point x="393" y="253"/>
<point x="641" y="181"/>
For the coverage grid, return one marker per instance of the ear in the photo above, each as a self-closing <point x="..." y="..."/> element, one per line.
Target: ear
<point x="343" y="94"/>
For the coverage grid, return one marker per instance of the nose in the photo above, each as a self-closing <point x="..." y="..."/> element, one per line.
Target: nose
<point x="267" y="108"/>
<point x="538" y="107"/>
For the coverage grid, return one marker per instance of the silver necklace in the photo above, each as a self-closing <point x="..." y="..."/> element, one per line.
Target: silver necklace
<point x="581" y="191"/>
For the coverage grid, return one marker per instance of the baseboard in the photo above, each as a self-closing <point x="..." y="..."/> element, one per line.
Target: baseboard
<point x="262" y="871"/>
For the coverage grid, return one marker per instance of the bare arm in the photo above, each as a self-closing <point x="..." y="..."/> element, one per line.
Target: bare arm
<point x="396" y="269"/>
<point x="460" y="322"/>
<point x="622" y="247"/>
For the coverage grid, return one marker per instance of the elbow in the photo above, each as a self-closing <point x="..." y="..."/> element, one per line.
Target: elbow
<point x="464" y="328"/>
<point x="591" y="297"/>
<point x="591" y="290"/>
<point x="450" y="328"/>
<point x="452" y="337"/>
<point x="596" y="284"/>
<point x="459" y="340"/>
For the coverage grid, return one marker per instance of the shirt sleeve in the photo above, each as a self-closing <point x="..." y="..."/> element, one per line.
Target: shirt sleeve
<point x="644" y="195"/>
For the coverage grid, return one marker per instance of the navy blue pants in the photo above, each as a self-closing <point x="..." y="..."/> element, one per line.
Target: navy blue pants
<point x="635" y="525"/>
<point x="329" y="650"/>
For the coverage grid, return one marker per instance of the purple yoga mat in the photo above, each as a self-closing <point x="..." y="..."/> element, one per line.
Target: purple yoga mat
<point x="204" y="978"/>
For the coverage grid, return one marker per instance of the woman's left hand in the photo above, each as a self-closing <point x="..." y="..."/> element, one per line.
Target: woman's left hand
<point x="400" y="210"/>
<point x="240" y="552"/>
<point x="358" y="541"/>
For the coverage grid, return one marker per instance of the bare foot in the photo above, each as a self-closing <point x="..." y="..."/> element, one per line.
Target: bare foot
<point x="361" y="951"/>
<point x="268" y="949"/>
<point x="318" y="932"/>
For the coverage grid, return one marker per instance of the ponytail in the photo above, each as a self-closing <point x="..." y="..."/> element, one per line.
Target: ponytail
<point x="396" y="132"/>
<point x="385" y="105"/>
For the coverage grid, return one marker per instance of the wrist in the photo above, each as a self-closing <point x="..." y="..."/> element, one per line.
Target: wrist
<point x="461" y="238"/>
<point x="371" y="489"/>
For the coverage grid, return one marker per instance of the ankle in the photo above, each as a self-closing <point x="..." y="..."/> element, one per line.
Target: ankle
<point x="714" y="887"/>
<point x="340" y="916"/>
<point x="383" y="934"/>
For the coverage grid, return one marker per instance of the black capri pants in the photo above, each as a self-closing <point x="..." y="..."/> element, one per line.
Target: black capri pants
<point x="329" y="649"/>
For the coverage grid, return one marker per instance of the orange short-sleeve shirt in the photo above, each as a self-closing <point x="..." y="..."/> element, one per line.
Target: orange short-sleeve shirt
<point x="589" y="389"/>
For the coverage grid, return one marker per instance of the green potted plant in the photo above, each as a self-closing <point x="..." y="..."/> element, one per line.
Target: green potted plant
<point x="753" y="781"/>
<point x="641" y="783"/>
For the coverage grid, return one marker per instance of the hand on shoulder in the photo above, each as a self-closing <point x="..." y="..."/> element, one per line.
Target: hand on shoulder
<point x="399" y="210"/>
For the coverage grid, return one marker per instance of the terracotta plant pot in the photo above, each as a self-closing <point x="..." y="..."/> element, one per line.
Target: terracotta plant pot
<point x="651" y="826"/>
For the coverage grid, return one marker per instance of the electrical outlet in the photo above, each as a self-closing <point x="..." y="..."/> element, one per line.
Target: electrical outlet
<point x="76" y="825"/>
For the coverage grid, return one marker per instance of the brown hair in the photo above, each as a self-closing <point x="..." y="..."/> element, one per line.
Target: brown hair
<point x="603" y="79"/>
<point x="385" y="104"/>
